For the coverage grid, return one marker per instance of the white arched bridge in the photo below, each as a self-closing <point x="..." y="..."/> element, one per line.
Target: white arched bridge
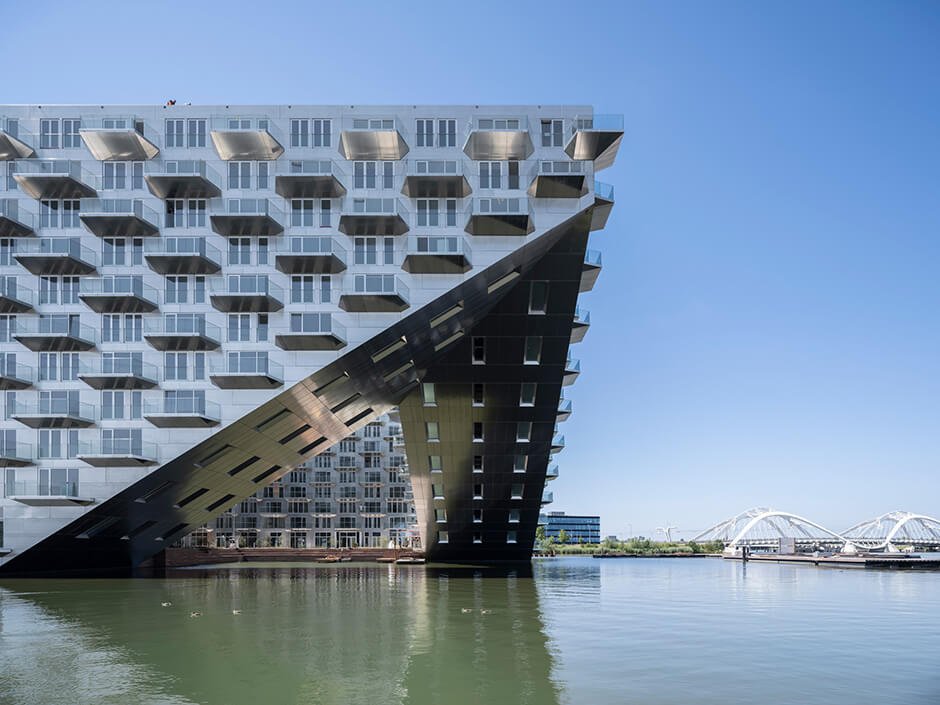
<point x="765" y="528"/>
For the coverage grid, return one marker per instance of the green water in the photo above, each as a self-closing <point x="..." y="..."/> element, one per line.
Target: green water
<point x="570" y="631"/>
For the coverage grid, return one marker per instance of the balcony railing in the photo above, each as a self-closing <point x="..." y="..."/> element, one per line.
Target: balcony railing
<point x="183" y="326"/>
<point x="55" y="325"/>
<point x="119" y="217"/>
<point x="603" y="191"/>
<point x="114" y="366"/>
<point x="182" y="178"/>
<point x="16" y="453"/>
<point x="365" y="138"/>
<point x="119" y="448"/>
<point x="247" y="363"/>
<point x="118" y="285"/>
<point x="15" y="221"/>
<point x="182" y="406"/>
<point x="593" y="258"/>
<point x="246" y="284"/>
<point x="308" y="178"/>
<point x="41" y="489"/>
<point x="438" y="245"/>
<point x="501" y="206"/>
<point x="15" y="297"/>
<point x="15" y="375"/>
<point x="55" y="178"/>
<point x="596" y="123"/>
<point x="45" y="406"/>
<point x="70" y="247"/>
<point x="379" y="284"/>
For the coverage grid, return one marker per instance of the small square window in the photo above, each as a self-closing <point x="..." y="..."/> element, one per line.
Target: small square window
<point x="510" y="537"/>
<point x="427" y="392"/>
<point x="434" y="463"/>
<point x="516" y="491"/>
<point x="533" y="349"/>
<point x="527" y="394"/>
<point x="478" y="394"/>
<point x="519" y="463"/>
<point x="478" y="431"/>
<point x="477" y="463"/>
<point x="513" y="516"/>
<point x="478" y="345"/>
<point x="478" y="538"/>
<point x="442" y="537"/>
<point x="440" y="515"/>
<point x="437" y="491"/>
<point x="478" y="490"/>
<point x="477" y="516"/>
<point x="433" y="431"/>
<point x="524" y="431"/>
<point x="538" y="297"/>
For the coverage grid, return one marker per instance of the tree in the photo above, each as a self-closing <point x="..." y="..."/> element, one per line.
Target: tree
<point x="540" y="533"/>
<point x="562" y="536"/>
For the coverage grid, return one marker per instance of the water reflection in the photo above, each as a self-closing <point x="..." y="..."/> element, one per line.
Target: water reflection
<point x="319" y="634"/>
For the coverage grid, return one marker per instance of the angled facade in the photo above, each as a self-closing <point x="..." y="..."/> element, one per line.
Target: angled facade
<point x="199" y="300"/>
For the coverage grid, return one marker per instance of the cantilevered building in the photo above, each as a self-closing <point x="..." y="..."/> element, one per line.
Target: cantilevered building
<point x="195" y="300"/>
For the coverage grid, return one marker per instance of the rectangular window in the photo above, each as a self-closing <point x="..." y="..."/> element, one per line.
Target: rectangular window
<point x="264" y="171"/>
<point x="515" y="491"/>
<point x="478" y="490"/>
<point x="490" y="175"/>
<point x="511" y="536"/>
<point x="478" y="538"/>
<point x="433" y="431"/>
<point x="196" y="131"/>
<point x="442" y="537"/>
<point x="527" y="394"/>
<point x="427" y="391"/>
<point x="239" y="327"/>
<point x="434" y="463"/>
<point x="533" y="349"/>
<point x="447" y="133"/>
<point x="239" y="175"/>
<point x="239" y="250"/>
<point x="523" y="431"/>
<point x="478" y="350"/>
<point x="477" y="395"/>
<point x="513" y="516"/>
<point x="538" y="297"/>
<point x="512" y="180"/>
<point x="174" y="133"/>
<point x="49" y="134"/>
<point x="477" y="516"/>
<point x="478" y="431"/>
<point x="177" y="290"/>
<point x="424" y="133"/>
<point x="477" y="463"/>
<point x="552" y="133"/>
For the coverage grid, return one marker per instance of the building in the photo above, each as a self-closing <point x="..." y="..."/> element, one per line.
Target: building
<point x="357" y="494"/>
<point x="579" y="529"/>
<point x="196" y="300"/>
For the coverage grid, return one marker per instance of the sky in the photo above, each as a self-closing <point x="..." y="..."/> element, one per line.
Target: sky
<point x="766" y="328"/>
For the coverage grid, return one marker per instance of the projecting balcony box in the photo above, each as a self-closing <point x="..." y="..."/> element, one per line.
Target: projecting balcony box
<point x="56" y="494"/>
<point x="308" y="178"/>
<point x="54" y="178"/>
<point x="572" y="370"/>
<point x="15" y="455"/>
<point x="580" y="324"/>
<point x="119" y="217"/>
<point x="182" y="412"/>
<point x="124" y="139"/>
<point x="437" y="254"/>
<point x="564" y="410"/>
<point x="312" y="331"/>
<point x="373" y="216"/>
<point x="435" y="178"/>
<point x="595" y="138"/>
<point x="54" y="255"/>
<point x="310" y="255"/>
<point x="14" y="375"/>
<point x="247" y="217"/>
<point x="500" y="216"/>
<point x="182" y="331"/>
<point x="499" y="139"/>
<point x="244" y="293"/>
<point x="118" y="453"/>
<point x="246" y="370"/>
<point x="558" y="444"/>
<point x="54" y="410"/>
<point x="182" y="255"/>
<point x="559" y="179"/>
<point x="14" y="141"/>
<point x="372" y="139"/>
<point x="590" y="270"/>
<point x="551" y="473"/>
<point x="14" y="297"/>
<point x="603" y="205"/>
<point x="246" y="138"/>
<point x="118" y="294"/>
<point x="375" y="293"/>
<point x="547" y="497"/>
<point x="14" y="221"/>
<point x="54" y="333"/>
<point x="185" y="178"/>
<point x="118" y="371"/>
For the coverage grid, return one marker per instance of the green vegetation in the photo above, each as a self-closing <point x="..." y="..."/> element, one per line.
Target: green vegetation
<point x="635" y="547"/>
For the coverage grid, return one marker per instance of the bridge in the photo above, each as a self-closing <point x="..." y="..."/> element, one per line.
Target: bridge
<point x="770" y="529"/>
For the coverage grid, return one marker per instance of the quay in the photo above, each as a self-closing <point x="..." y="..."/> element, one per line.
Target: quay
<point x="187" y="557"/>
<point x="886" y="562"/>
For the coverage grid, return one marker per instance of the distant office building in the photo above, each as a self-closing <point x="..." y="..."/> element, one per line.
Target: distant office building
<point x="578" y="529"/>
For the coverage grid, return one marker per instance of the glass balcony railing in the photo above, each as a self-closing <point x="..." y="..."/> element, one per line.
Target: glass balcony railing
<point x="387" y="284"/>
<point x="125" y="123"/>
<point x="373" y="124"/>
<point x="311" y="245"/>
<point x="56" y="246"/>
<point x="119" y="285"/>
<point x="10" y="209"/>
<point x="251" y="123"/>
<point x="183" y="167"/>
<point x="124" y="207"/>
<point x="499" y="124"/>
<point x="193" y="246"/>
<point x="500" y="206"/>
<point x="247" y="363"/>
<point x="582" y="316"/>
<point x="12" y="370"/>
<point x="249" y="206"/>
<point x="561" y="168"/>
<point x="119" y="447"/>
<point x="57" y="325"/>
<point x="564" y="406"/>
<point x="597" y="123"/>
<point x="306" y="167"/>
<point x="12" y="288"/>
<point x="182" y="324"/>
<point x="182" y="406"/>
<point x="247" y="285"/>
<point x="54" y="406"/>
<point x="438" y="245"/>
<point x="71" y="168"/>
<point x="552" y="472"/>
<point x="592" y="257"/>
<point x="603" y="191"/>
<point x="16" y="451"/>
<point x="41" y="489"/>
<point x="315" y="323"/>
<point x="118" y="366"/>
<point x="434" y="167"/>
<point x="374" y="206"/>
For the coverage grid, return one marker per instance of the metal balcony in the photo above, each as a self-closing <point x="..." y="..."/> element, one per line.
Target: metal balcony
<point x="558" y="444"/>
<point x="245" y="138"/>
<point x="188" y="178"/>
<point x="373" y="216"/>
<point x="312" y="331"/>
<point x="118" y="139"/>
<point x="375" y="293"/>
<point x="54" y="178"/>
<point x="564" y="410"/>
<point x="500" y="216"/>
<point x="16" y="455"/>
<point x="14" y="375"/>
<point x="255" y="217"/>
<point x="572" y="370"/>
<point x="310" y="255"/>
<point x="559" y="179"/>
<point x="118" y="372"/>
<point x="435" y="178"/>
<point x="432" y="254"/>
<point x="54" y="255"/>
<point x="118" y="453"/>
<point x="14" y="141"/>
<point x="119" y="217"/>
<point x="182" y="331"/>
<point x="54" y="333"/>
<point x="603" y="205"/>
<point x="14" y="297"/>
<point x="590" y="270"/>
<point x="552" y="473"/>
<point x="580" y="325"/>
<point x="372" y="138"/>
<point x="171" y="412"/>
<point x="595" y="138"/>
<point x="64" y="494"/>
<point x="118" y="294"/>
<point x="308" y="178"/>
<point x="244" y="293"/>
<point x="53" y="413"/>
<point x="498" y="139"/>
<point x="15" y="222"/>
<point x="182" y="255"/>
<point x="247" y="370"/>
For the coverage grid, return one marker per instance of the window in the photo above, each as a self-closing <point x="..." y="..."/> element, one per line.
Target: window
<point x="538" y="297"/>
<point x="511" y="536"/>
<point x="427" y="392"/>
<point x="478" y="351"/>
<point x="477" y="394"/>
<point x="478" y="431"/>
<point x="371" y="175"/>
<point x="57" y="443"/>
<point x="118" y="328"/>
<point x="527" y="394"/>
<point x="264" y="171"/>
<point x="552" y="133"/>
<point x="446" y="133"/>
<point x="434" y="463"/>
<point x="424" y="133"/>
<point x="59" y="214"/>
<point x="122" y="175"/>
<point x="121" y="405"/>
<point x="185" y="213"/>
<point x="364" y="250"/>
<point x="310" y="133"/>
<point x="512" y="180"/>
<point x="515" y="491"/>
<point x="261" y="333"/>
<point x="177" y="290"/>
<point x="239" y="327"/>
<point x="49" y="134"/>
<point x="239" y="250"/>
<point x="262" y="250"/>
<point x="302" y="289"/>
<point x="175" y="365"/>
<point x="533" y="349"/>
<point x="477" y="516"/>
<point x="239" y="175"/>
<point x="490" y="175"/>
<point x="58" y="367"/>
<point x="477" y="538"/>
<point x="477" y="463"/>
<point x="519" y="463"/>
<point x="433" y="431"/>
<point x="442" y="537"/>
<point x="524" y="431"/>
<point x="440" y="516"/>
<point x="513" y="516"/>
<point x="196" y="132"/>
<point x="478" y="490"/>
<point x="58" y="482"/>
<point x="58" y="290"/>
<point x="174" y="133"/>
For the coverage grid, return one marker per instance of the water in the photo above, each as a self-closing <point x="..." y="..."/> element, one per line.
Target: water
<point x="575" y="631"/>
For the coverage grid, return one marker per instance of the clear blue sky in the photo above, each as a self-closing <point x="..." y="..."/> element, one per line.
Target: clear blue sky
<point x="766" y="329"/>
